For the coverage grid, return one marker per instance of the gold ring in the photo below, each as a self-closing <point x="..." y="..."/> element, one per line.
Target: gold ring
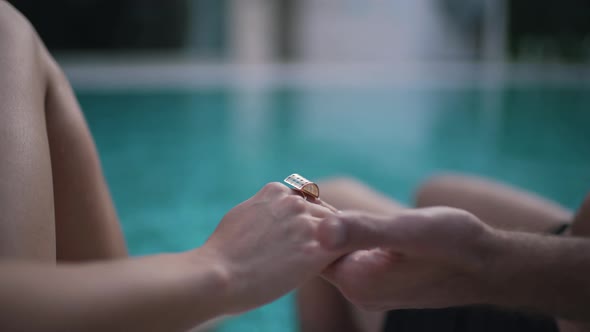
<point x="303" y="185"/>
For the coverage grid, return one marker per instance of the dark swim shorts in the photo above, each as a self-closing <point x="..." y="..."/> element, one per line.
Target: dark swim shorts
<point x="467" y="319"/>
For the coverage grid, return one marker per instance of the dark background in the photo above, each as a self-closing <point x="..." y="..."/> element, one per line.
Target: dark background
<point x="557" y="29"/>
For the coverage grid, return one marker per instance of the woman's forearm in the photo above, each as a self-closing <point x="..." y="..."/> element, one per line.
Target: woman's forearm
<point x="544" y="273"/>
<point x="160" y="293"/>
<point x="261" y="249"/>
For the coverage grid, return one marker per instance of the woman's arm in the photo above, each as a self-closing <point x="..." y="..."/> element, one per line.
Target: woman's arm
<point x="160" y="293"/>
<point x="261" y="249"/>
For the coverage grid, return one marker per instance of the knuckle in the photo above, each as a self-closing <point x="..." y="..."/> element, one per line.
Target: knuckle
<point x="301" y="222"/>
<point x="299" y="230"/>
<point x="270" y="186"/>
<point x="299" y="205"/>
<point x="273" y="188"/>
<point x="309" y="249"/>
<point x="294" y="204"/>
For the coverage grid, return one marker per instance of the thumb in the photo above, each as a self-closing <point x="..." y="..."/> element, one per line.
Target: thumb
<point x="350" y="231"/>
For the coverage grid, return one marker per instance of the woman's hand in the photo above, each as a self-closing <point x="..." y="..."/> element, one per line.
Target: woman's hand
<point x="267" y="246"/>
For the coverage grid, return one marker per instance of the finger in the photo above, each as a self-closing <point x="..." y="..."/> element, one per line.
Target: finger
<point x="297" y="192"/>
<point x="317" y="207"/>
<point x="319" y="211"/>
<point x="314" y="200"/>
<point x="377" y="261"/>
<point x="351" y="231"/>
<point x="326" y="205"/>
<point x="274" y="189"/>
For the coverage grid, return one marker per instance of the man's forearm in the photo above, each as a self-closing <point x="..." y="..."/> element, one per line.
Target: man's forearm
<point x="545" y="273"/>
<point x="160" y="293"/>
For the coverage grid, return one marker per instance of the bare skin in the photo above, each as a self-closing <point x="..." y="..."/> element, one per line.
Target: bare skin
<point x="80" y="191"/>
<point x="54" y="199"/>
<point x="441" y="257"/>
<point x="59" y="234"/>
<point x="27" y="223"/>
<point x="56" y="208"/>
<point x="262" y="249"/>
<point x="322" y="308"/>
<point x="499" y="205"/>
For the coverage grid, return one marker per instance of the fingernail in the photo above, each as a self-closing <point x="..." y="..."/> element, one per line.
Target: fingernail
<point x="333" y="234"/>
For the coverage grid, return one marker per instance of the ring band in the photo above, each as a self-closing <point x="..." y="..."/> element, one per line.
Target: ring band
<point x="303" y="185"/>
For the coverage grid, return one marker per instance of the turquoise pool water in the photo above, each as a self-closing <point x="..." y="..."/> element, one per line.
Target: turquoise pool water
<point x="176" y="161"/>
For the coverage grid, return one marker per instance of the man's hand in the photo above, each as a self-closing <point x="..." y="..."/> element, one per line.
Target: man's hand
<point x="421" y="258"/>
<point x="268" y="246"/>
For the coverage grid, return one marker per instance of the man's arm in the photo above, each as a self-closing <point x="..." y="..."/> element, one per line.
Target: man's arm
<point x="547" y="273"/>
<point x="442" y="257"/>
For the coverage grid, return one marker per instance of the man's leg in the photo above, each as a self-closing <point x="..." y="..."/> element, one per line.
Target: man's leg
<point x="498" y="205"/>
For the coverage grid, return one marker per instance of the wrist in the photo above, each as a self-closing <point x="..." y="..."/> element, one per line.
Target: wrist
<point x="490" y="250"/>
<point x="501" y="263"/>
<point x="207" y="267"/>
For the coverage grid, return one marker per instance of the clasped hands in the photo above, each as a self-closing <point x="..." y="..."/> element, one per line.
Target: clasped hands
<point x="417" y="258"/>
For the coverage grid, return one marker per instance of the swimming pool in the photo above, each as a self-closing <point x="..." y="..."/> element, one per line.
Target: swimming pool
<point x="177" y="160"/>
